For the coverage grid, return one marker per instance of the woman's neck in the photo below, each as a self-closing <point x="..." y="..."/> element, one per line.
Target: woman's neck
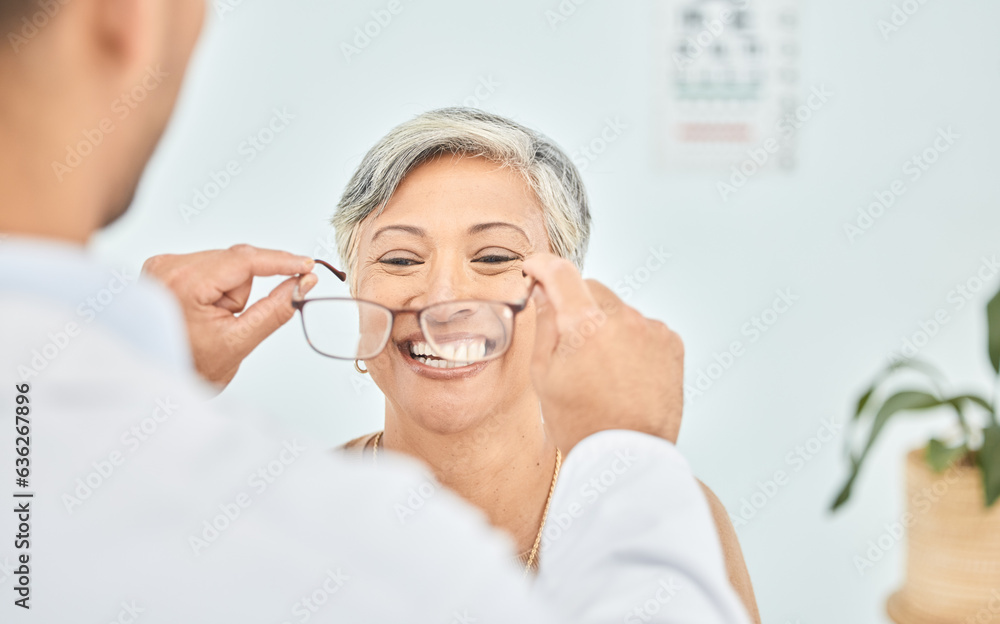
<point x="503" y="464"/>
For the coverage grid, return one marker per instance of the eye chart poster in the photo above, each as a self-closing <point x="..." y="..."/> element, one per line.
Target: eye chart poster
<point x="728" y="83"/>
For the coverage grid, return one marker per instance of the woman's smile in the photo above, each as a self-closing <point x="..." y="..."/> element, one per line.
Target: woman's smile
<point x="454" y="354"/>
<point x="433" y="367"/>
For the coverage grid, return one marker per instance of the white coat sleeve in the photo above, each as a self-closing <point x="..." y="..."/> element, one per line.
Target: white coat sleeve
<point x="630" y="538"/>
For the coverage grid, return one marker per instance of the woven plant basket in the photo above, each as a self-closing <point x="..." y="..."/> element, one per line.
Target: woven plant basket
<point x="953" y="558"/>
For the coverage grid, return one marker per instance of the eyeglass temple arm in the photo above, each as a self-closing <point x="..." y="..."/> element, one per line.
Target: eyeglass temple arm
<point x="340" y="274"/>
<point x="299" y="303"/>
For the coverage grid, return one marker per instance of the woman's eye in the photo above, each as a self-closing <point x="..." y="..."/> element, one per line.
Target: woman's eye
<point x="495" y="259"/>
<point x="400" y="261"/>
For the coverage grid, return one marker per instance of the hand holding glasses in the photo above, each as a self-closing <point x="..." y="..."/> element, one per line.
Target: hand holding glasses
<point x="459" y="332"/>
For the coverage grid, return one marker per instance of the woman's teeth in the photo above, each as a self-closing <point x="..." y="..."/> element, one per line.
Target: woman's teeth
<point x="452" y="354"/>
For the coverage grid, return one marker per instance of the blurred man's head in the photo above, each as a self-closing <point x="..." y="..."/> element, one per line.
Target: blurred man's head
<point x="88" y="87"/>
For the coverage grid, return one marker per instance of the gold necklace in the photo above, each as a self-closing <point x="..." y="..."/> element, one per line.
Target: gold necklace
<point x="545" y="514"/>
<point x="533" y="554"/>
<point x="378" y="436"/>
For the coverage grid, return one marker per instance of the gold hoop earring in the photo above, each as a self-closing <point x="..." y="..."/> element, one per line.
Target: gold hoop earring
<point x="363" y="371"/>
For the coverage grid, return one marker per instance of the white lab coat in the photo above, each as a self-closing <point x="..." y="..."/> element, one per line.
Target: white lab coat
<point x="152" y="506"/>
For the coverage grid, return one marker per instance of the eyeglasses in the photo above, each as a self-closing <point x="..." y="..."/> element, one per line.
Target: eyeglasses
<point x="460" y="332"/>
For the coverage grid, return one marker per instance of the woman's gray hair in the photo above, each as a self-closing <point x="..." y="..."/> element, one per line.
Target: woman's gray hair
<point x="467" y="132"/>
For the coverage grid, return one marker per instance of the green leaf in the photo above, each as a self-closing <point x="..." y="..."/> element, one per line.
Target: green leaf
<point x="993" y="324"/>
<point x="864" y="401"/>
<point x="957" y="401"/>
<point x="989" y="463"/>
<point x="845" y="491"/>
<point x="978" y="400"/>
<point x="901" y="401"/>
<point x="940" y="457"/>
<point x="932" y="373"/>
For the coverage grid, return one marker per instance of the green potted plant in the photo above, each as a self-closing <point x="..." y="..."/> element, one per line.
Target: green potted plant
<point x="952" y="519"/>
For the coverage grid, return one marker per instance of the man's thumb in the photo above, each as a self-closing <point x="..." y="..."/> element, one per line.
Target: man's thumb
<point x="546" y="333"/>
<point x="264" y="317"/>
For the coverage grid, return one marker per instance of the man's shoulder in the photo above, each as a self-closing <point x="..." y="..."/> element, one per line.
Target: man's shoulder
<point x="53" y="344"/>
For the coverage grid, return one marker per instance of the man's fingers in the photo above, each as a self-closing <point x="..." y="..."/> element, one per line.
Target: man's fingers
<point x="604" y="297"/>
<point x="242" y="262"/>
<point x="236" y="299"/>
<point x="546" y="331"/>
<point x="232" y="267"/>
<point x="203" y="278"/>
<point x="264" y="317"/>
<point x="565" y="289"/>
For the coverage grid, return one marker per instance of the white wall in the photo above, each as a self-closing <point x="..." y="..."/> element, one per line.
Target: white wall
<point x="781" y="231"/>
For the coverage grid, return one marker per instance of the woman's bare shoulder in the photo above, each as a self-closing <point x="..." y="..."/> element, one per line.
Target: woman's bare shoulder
<point x="736" y="566"/>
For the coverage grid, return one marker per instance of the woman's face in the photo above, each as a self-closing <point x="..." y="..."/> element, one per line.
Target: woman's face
<point x="456" y="228"/>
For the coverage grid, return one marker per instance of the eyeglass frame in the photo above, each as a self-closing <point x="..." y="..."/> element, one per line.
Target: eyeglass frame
<point x="515" y="308"/>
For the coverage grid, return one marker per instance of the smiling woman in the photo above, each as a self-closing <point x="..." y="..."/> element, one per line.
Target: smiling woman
<point x="440" y="216"/>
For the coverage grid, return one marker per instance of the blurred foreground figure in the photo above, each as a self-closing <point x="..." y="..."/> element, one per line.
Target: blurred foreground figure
<point x="131" y="499"/>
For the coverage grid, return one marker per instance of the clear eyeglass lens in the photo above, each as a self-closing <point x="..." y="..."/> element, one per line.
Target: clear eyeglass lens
<point x="468" y="331"/>
<point x="346" y="328"/>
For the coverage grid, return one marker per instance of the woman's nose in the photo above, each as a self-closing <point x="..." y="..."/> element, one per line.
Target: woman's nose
<point x="458" y="311"/>
<point x="443" y="285"/>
